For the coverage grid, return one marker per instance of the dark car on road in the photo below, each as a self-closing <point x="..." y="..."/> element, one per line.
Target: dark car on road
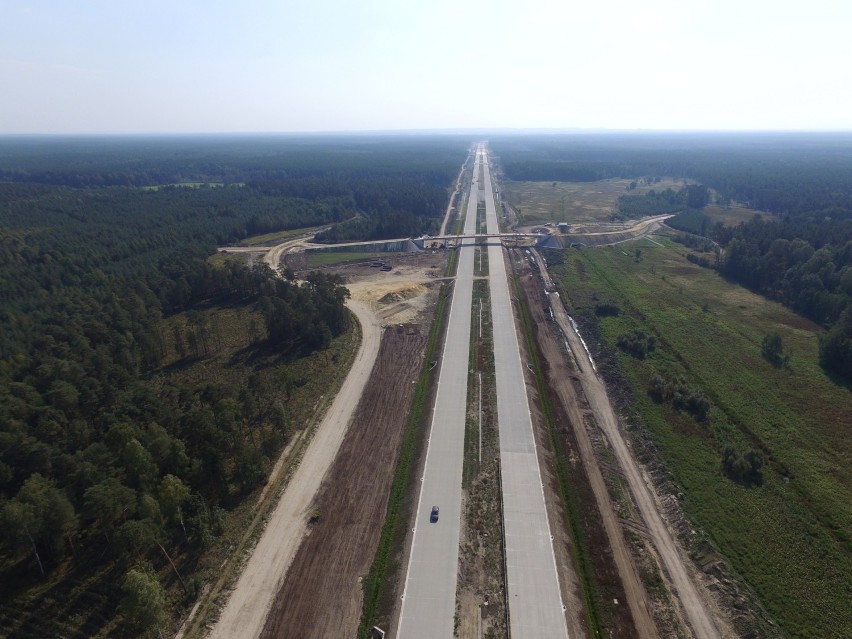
<point x="434" y="517"/>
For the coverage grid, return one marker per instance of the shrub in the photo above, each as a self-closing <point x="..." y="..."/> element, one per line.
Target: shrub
<point x="772" y="349"/>
<point x="606" y="309"/>
<point x="744" y="469"/>
<point x="637" y="343"/>
<point x="681" y="396"/>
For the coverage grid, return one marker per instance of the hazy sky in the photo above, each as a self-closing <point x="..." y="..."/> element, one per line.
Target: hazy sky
<point x="126" y="66"/>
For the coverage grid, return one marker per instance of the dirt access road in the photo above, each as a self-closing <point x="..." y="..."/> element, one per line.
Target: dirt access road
<point x="697" y="608"/>
<point x="379" y="299"/>
<point x="251" y="599"/>
<point x="321" y="595"/>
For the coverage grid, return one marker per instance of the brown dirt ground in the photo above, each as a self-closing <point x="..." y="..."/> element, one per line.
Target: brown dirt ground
<point x="321" y="595"/>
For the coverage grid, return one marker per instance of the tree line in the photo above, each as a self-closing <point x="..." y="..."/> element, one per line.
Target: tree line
<point x="789" y="174"/>
<point x="690" y="197"/>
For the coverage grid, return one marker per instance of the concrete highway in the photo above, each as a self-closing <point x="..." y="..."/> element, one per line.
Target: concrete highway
<point x="533" y="594"/>
<point x="429" y="599"/>
<point x="533" y="597"/>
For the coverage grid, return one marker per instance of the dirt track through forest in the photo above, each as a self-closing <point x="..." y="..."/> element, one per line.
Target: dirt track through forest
<point x="321" y="596"/>
<point x="251" y="599"/>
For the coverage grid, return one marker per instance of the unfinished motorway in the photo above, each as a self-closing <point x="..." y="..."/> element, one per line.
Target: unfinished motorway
<point x="539" y="587"/>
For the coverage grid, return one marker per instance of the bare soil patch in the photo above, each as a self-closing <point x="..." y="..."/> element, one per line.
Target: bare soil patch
<point x="321" y="595"/>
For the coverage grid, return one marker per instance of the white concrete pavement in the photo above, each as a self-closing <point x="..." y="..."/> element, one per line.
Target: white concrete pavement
<point x="429" y="599"/>
<point x="533" y="594"/>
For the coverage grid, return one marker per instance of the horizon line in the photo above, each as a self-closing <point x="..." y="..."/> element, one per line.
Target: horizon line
<point x="424" y="131"/>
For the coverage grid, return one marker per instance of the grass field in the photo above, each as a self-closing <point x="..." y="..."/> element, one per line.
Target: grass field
<point x="220" y="259"/>
<point x="572" y="202"/>
<point x="789" y="536"/>
<point x="279" y="236"/>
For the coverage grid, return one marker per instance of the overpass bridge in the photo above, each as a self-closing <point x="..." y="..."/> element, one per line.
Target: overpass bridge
<point x="398" y="245"/>
<point x="450" y="241"/>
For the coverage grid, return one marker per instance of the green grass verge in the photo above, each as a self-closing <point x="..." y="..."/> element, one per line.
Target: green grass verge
<point x="220" y="259"/>
<point x="279" y="236"/>
<point x="788" y="537"/>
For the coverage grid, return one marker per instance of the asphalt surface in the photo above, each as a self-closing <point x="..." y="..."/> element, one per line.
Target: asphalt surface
<point x="429" y="599"/>
<point x="533" y="594"/>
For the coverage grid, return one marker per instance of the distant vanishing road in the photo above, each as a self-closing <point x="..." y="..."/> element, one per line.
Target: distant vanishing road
<point x="533" y="595"/>
<point x="429" y="600"/>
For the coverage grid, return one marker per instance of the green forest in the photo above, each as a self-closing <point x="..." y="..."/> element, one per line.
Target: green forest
<point x="118" y="467"/>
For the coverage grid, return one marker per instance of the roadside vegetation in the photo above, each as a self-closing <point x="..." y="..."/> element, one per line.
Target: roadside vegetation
<point x="270" y="239"/>
<point x="799" y="252"/>
<point x="738" y="405"/>
<point x="757" y="450"/>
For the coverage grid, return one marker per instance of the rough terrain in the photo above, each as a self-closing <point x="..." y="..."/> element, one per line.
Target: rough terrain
<point x="321" y="595"/>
